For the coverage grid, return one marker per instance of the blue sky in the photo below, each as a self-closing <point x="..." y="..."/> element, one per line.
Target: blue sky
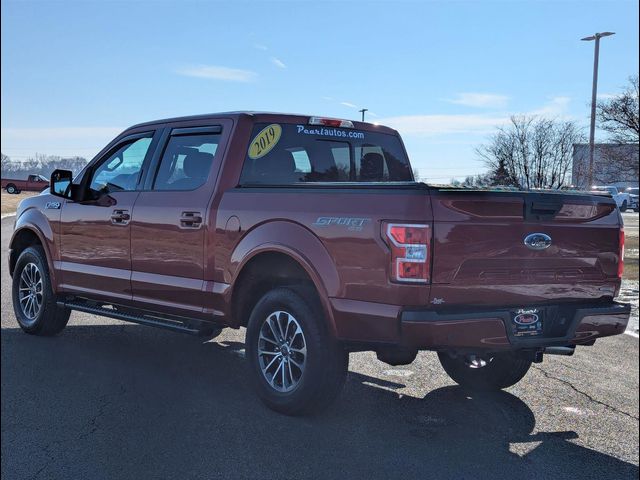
<point x="444" y="74"/>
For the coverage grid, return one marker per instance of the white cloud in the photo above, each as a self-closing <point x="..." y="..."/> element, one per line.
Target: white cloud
<point x="259" y="46"/>
<point x="607" y="96"/>
<point x="432" y="125"/>
<point x="277" y="62"/>
<point x="348" y="104"/>
<point x="445" y="124"/>
<point x="555" y="107"/>
<point x="480" y="100"/>
<point x="216" y="72"/>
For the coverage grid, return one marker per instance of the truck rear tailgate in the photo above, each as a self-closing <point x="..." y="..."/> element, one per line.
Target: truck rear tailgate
<point x="480" y="256"/>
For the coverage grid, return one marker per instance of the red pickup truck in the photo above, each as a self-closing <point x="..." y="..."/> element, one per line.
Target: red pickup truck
<point x="33" y="183"/>
<point x="312" y="233"/>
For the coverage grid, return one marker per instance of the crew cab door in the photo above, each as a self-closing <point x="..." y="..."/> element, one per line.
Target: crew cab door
<point x="95" y="252"/>
<point x="172" y="216"/>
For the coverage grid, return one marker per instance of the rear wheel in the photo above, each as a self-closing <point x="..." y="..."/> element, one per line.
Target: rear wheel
<point x="34" y="302"/>
<point x="485" y="373"/>
<point x="297" y="367"/>
<point x="11" y="188"/>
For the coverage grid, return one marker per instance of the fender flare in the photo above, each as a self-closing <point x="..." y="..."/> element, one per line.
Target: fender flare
<point x="34" y="221"/>
<point x="301" y="245"/>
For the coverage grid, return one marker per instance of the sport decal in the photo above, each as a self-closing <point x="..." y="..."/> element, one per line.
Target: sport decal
<point x="265" y="141"/>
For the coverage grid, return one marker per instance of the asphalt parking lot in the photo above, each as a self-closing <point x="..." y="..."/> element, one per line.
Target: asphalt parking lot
<point x="107" y="399"/>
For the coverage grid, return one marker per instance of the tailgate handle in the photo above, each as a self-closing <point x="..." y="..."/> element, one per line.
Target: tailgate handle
<point x="546" y="207"/>
<point x="542" y="210"/>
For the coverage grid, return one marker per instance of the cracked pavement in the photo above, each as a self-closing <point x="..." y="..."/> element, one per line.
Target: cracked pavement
<point x="110" y="400"/>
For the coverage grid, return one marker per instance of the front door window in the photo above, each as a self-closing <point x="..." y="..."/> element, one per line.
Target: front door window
<point x="121" y="170"/>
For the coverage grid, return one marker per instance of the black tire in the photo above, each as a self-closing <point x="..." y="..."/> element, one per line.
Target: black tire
<point x="11" y="188"/>
<point x="504" y="370"/>
<point x="50" y="319"/>
<point x="325" y="362"/>
<point x="623" y="207"/>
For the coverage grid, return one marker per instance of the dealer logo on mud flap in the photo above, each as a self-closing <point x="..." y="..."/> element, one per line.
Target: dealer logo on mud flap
<point x="527" y="322"/>
<point x="526" y="318"/>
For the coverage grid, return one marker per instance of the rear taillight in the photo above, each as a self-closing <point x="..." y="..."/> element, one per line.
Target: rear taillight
<point x="409" y="244"/>
<point x="621" y="255"/>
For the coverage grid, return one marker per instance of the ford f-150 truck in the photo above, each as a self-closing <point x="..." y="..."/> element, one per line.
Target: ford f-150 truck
<point x="35" y="183"/>
<point x="312" y="233"/>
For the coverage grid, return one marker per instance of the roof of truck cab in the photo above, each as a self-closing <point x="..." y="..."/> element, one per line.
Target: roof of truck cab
<point x="263" y="116"/>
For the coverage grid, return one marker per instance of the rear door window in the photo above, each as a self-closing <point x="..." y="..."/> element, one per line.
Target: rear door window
<point x="186" y="162"/>
<point x="281" y="154"/>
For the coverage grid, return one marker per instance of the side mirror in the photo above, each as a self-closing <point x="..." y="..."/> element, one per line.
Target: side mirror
<point x="60" y="184"/>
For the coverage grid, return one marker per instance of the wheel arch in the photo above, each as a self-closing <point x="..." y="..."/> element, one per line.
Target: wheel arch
<point x="25" y="235"/>
<point x="291" y="249"/>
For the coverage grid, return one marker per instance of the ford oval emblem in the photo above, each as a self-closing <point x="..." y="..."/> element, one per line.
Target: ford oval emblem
<point x="526" y="318"/>
<point x="537" y="241"/>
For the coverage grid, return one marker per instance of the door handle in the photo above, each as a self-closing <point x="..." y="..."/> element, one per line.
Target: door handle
<point x="120" y="217"/>
<point x="190" y="220"/>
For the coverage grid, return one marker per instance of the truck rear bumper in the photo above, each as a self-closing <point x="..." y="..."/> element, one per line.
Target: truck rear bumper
<point x="492" y="330"/>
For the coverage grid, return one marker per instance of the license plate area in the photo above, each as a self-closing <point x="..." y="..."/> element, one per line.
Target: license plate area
<point x="527" y="322"/>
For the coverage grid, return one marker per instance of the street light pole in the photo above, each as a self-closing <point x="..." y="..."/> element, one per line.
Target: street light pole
<point x="594" y="93"/>
<point x="362" y="111"/>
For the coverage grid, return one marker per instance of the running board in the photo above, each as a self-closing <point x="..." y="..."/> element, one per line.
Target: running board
<point x="141" y="318"/>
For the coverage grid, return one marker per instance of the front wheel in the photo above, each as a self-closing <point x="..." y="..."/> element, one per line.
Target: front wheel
<point x="485" y="373"/>
<point x="297" y="367"/>
<point x="34" y="302"/>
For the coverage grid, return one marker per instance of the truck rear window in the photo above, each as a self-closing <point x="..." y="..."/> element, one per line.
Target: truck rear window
<point x="281" y="154"/>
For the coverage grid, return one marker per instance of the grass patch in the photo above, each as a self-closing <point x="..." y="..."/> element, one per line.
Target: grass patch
<point x="631" y="258"/>
<point x="10" y="201"/>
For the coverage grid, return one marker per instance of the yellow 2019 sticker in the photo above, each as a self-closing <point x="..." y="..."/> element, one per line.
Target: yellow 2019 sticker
<point x="265" y="141"/>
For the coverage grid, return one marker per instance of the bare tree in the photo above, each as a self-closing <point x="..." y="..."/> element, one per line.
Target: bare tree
<point x="620" y="115"/>
<point x="531" y="152"/>
<point x="40" y="164"/>
<point x="6" y="161"/>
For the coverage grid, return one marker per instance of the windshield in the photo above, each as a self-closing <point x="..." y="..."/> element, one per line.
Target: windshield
<point x="288" y="153"/>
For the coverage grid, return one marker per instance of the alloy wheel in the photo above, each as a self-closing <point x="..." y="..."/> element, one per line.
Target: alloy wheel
<point x="282" y="351"/>
<point x="30" y="291"/>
